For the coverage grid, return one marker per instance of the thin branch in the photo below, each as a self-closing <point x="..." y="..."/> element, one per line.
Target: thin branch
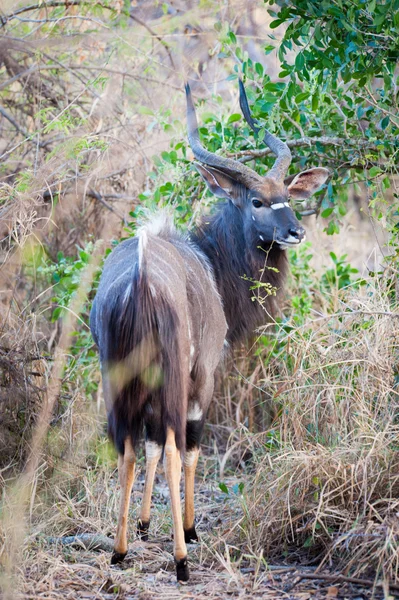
<point x="50" y="4"/>
<point x="24" y="73"/>
<point x="250" y="154"/>
<point x="55" y="3"/>
<point x="13" y="122"/>
<point x="21" y="130"/>
<point x="84" y="68"/>
<point x="166" y="46"/>
<point x="367" y="583"/>
<point x="100" y="199"/>
<point x="119" y="197"/>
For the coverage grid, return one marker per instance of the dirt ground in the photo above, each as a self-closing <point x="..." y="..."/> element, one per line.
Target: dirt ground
<point x="218" y="570"/>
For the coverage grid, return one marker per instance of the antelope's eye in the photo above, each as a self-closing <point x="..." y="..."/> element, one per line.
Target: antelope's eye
<point x="256" y="203"/>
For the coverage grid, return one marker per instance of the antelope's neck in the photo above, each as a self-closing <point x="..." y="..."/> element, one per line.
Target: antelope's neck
<point x="247" y="277"/>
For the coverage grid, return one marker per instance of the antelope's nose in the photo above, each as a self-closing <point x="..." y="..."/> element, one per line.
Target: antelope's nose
<point x="297" y="232"/>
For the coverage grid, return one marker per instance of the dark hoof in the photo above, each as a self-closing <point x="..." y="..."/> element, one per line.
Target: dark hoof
<point x="190" y="535"/>
<point x="182" y="572"/>
<point x="142" y="530"/>
<point x="117" y="557"/>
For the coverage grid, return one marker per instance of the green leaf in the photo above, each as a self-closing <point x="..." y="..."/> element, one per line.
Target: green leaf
<point x="84" y="256"/>
<point x="315" y="102"/>
<point x="259" y="69"/>
<point x="275" y="24"/>
<point x="308" y="543"/>
<point x="299" y="61"/>
<point x="233" y="118"/>
<point x="300" y="97"/>
<point x="327" y="212"/>
<point x="223" y="487"/>
<point x="374" y="171"/>
<point x="144" y="110"/>
<point x="332" y="228"/>
<point x="232" y="37"/>
<point x="57" y="313"/>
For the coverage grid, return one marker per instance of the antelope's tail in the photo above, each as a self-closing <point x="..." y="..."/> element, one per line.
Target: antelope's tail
<point x="143" y="360"/>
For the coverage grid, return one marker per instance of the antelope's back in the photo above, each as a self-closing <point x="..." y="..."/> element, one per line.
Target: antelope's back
<point x="176" y="271"/>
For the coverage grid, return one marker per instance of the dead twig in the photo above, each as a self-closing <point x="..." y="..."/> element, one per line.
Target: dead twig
<point x="159" y="38"/>
<point x="4" y="19"/>
<point x="84" y="541"/>
<point x="100" y="199"/>
<point x="338" y="578"/>
<point x="28" y="137"/>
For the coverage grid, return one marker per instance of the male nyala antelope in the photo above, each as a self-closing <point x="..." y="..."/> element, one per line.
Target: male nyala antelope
<point x="166" y="305"/>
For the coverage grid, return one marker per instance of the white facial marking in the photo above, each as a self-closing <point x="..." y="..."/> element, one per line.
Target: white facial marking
<point x="253" y="218"/>
<point x="291" y="240"/>
<point x="194" y="412"/>
<point x="261" y="237"/>
<point x="152" y="450"/>
<point x="279" y="205"/>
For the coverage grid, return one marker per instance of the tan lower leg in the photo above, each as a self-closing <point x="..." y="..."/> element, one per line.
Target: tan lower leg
<point x="126" y="466"/>
<point x="173" y="476"/>
<point x="190" y="464"/>
<point x="153" y="454"/>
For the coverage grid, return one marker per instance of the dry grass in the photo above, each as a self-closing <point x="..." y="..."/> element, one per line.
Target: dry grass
<point x="326" y="474"/>
<point x="22" y="371"/>
<point x="219" y="569"/>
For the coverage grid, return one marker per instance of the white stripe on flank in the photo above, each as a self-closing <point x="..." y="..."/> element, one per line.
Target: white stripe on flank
<point x="119" y="277"/>
<point x="127" y="293"/>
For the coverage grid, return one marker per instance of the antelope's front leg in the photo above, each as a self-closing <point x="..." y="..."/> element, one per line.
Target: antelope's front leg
<point x="126" y="469"/>
<point x="173" y="476"/>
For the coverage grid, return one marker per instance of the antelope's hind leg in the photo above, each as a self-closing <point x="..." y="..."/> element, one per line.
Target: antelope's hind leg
<point x="153" y="452"/>
<point x="197" y="408"/>
<point x="193" y="438"/>
<point x="173" y="476"/>
<point x="126" y="470"/>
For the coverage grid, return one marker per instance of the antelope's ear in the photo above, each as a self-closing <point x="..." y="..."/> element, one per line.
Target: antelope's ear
<point x="220" y="184"/>
<point x="305" y="184"/>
